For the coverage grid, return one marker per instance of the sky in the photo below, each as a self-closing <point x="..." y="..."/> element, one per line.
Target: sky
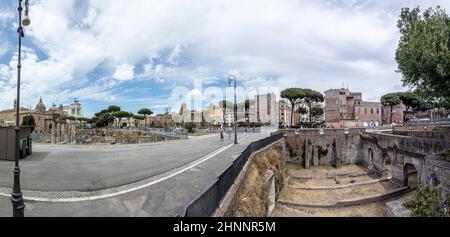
<point x="157" y="54"/>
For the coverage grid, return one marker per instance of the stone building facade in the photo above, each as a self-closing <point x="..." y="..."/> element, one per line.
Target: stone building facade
<point x="42" y="117"/>
<point x="344" y="108"/>
<point x="263" y="109"/>
<point x="285" y="112"/>
<point x="73" y="110"/>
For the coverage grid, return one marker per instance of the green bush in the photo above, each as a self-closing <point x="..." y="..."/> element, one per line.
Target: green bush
<point x="428" y="202"/>
<point x="190" y="127"/>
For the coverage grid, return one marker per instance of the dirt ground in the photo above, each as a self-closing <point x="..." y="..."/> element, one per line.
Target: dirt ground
<point x="377" y="209"/>
<point x="323" y="171"/>
<point x="329" y="196"/>
<point x="329" y="182"/>
<point x="333" y="195"/>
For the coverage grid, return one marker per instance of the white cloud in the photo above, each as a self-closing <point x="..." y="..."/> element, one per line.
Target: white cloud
<point x="317" y="44"/>
<point x="124" y="72"/>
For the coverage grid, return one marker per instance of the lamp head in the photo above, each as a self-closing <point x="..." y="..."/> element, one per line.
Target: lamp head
<point x="231" y="78"/>
<point x="26" y="21"/>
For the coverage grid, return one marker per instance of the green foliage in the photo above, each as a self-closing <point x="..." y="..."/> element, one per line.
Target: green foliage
<point x="28" y="120"/>
<point x="190" y="127"/>
<point x="139" y="117"/>
<point x="145" y="111"/>
<point x="302" y="110"/>
<point x="291" y="94"/>
<point x="428" y="202"/>
<point x="316" y="111"/>
<point x="390" y="100"/>
<point x="122" y="114"/>
<point x="409" y="99"/>
<point x="307" y="95"/>
<point x="102" y="120"/>
<point x="113" y="108"/>
<point x="71" y="118"/>
<point x="423" y="53"/>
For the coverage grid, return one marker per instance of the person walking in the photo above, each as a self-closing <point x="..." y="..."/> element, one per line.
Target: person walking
<point x="221" y="133"/>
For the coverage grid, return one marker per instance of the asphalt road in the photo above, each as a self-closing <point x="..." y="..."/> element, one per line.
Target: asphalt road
<point x="166" y="198"/>
<point x="87" y="168"/>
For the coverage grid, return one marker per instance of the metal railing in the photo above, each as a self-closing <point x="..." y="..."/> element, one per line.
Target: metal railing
<point x="208" y="202"/>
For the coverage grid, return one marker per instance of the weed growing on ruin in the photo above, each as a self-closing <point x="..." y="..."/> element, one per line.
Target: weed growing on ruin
<point x="428" y="202"/>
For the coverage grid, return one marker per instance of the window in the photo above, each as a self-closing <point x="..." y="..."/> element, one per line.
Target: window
<point x="378" y="111"/>
<point x="365" y="110"/>
<point x="371" y="110"/>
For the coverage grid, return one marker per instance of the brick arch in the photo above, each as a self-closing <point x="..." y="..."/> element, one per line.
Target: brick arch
<point x="410" y="172"/>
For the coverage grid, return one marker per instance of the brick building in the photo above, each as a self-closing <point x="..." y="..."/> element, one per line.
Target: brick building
<point x="344" y="108"/>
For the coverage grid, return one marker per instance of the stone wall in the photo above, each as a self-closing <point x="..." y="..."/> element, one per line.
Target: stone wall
<point x="314" y="147"/>
<point x="113" y="136"/>
<point x="378" y="148"/>
<point x="430" y="132"/>
<point x="436" y="172"/>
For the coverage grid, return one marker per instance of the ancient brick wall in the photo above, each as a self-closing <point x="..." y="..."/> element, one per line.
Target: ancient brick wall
<point x="313" y="147"/>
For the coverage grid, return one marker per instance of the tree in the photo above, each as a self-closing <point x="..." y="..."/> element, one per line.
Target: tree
<point x="113" y="108"/>
<point x="225" y="104"/>
<point x="292" y="95"/>
<point x="423" y="53"/>
<point x="121" y="114"/>
<point x="390" y="100"/>
<point x="138" y="119"/>
<point x="28" y="120"/>
<point x="102" y="120"/>
<point x="316" y="111"/>
<point x="190" y="127"/>
<point x="310" y="97"/>
<point x="146" y="112"/>
<point x="410" y="100"/>
<point x="302" y="110"/>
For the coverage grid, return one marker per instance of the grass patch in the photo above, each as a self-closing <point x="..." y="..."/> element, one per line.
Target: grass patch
<point x="252" y="200"/>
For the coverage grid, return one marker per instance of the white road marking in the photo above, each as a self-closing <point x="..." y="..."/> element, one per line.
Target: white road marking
<point x="109" y="195"/>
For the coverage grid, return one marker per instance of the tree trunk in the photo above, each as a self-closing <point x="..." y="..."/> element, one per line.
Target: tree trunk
<point x="309" y="106"/>
<point x="292" y="113"/>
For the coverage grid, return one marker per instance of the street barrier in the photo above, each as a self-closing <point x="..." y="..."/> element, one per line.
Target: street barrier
<point x="208" y="202"/>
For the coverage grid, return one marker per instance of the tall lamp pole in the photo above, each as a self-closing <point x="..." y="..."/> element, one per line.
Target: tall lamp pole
<point x="16" y="195"/>
<point x="232" y="78"/>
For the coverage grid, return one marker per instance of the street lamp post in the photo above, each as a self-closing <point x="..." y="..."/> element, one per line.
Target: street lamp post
<point x="16" y="195"/>
<point x="232" y="78"/>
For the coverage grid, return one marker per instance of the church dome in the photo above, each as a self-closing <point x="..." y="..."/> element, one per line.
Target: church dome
<point x="40" y="105"/>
